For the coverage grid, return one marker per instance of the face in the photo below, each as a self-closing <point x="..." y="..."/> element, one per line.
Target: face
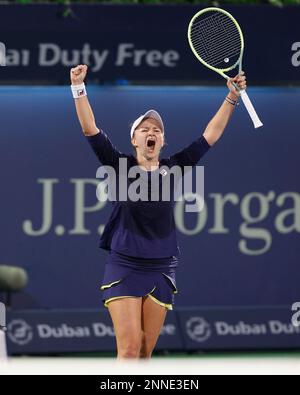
<point x="148" y="138"/>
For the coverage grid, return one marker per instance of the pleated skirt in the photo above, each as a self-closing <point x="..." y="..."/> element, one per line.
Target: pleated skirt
<point x="126" y="276"/>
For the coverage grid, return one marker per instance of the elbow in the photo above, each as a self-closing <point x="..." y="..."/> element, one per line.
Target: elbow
<point x="90" y="131"/>
<point x="211" y="138"/>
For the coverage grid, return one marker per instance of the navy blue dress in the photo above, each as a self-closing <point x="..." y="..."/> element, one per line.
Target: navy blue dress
<point x="141" y="235"/>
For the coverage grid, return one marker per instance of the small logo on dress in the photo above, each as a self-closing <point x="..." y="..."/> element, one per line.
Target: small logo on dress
<point x="163" y="172"/>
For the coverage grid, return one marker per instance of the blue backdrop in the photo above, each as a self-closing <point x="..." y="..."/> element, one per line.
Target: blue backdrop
<point x="242" y="252"/>
<point x="147" y="43"/>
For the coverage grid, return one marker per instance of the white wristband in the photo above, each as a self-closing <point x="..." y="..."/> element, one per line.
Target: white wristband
<point x="78" y="90"/>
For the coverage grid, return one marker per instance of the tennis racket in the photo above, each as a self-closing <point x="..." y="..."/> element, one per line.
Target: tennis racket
<point x="216" y="39"/>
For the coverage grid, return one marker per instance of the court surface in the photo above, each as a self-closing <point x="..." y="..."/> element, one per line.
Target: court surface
<point x="224" y="364"/>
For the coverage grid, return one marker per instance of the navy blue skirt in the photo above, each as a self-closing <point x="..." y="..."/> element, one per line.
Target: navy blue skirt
<point x="126" y="276"/>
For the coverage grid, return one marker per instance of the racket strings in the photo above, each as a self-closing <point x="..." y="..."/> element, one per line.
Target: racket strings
<point x="230" y="30"/>
<point x="218" y="48"/>
<point x="219" y="28"/>
<point x="214" y="40"/>
<point x="220" y="20"/>
<point x="219" y="57"/>
<point x="200" y="21"/>
<point x="216" y="37"/>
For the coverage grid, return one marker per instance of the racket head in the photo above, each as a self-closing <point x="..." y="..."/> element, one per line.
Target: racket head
<point x="216" y="39"/>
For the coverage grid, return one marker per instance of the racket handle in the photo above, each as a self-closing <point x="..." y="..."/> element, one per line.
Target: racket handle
<point x="256" y="121"/>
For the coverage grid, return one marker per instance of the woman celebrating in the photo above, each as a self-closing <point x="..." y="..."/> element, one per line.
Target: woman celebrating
<point x="139" y="279"/>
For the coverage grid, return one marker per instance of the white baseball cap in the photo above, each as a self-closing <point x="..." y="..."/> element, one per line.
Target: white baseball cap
<point x="149" y="114"/>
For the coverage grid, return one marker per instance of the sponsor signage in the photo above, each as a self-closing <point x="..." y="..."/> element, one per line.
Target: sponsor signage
<point x="46" y="332"/>
<point x="239" y="328"/>
<point x="133" y="43"/>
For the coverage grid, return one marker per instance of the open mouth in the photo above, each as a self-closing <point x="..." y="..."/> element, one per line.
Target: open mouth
<point x="151" y="144"/>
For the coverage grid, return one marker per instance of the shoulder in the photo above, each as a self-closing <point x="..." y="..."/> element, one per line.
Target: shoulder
<point x="163" y="162"/>
<point x="169" y="162"/>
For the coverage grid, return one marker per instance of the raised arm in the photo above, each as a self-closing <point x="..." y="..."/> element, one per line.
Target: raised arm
<point x="218" y="123"/>
<point x="83" y="108"/>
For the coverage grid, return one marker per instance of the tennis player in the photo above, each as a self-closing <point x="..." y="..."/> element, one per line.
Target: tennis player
<point x="139" y="280"/>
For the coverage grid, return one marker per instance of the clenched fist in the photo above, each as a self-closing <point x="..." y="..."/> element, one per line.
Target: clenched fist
<point x="240" y="81"/>
<point x="78" y="74"/>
